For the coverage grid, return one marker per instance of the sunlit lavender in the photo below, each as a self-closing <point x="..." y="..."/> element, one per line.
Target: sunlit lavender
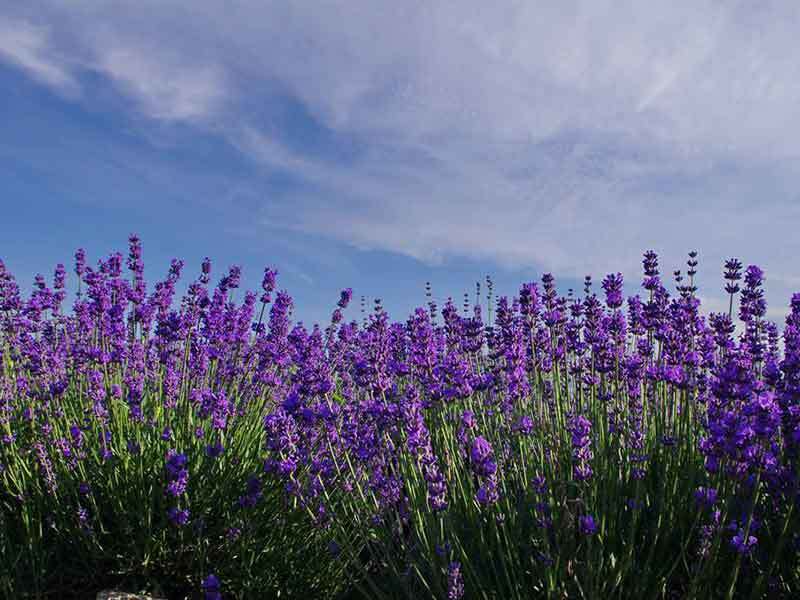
<point x="581" y="445"/>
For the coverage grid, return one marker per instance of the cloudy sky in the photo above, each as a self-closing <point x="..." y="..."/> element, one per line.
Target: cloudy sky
<point x="382" y="144"/>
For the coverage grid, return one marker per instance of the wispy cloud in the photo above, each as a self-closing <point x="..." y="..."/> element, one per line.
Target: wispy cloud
<point x="164" y="85"/>
<point x="28" y="47"/>
<point x="162" y="90"/>
<point x="566" y="135"/>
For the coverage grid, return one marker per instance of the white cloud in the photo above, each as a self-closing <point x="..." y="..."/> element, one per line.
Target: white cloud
<point x="165" y="85"/>
<point x="566" y="135"/>
<point x="182" y="92"/>
<point x="28" y="47"/>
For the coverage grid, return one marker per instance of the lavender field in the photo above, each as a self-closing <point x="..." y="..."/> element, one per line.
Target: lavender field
<point x="538" y="446"/>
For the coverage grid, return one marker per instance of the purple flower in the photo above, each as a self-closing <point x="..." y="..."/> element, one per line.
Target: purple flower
<point x="344" y="300"/>
<point x="733" y="273"/>
<point x="80" y="262"/>
<point x="211" y="587"/>
<point x="177" y="473"/>
<point x="487" y="493"/>
<point x="612" y="285"/>
<point x="268" y="284"/>
<point x="580" y="427"/>
<point x="524" y="425"/>
<point x="650" y="263"/>
<point x="706" y="497"/>
<point x="214" y="450"/>
<point x="481" y="450"/>
<point x="77" y="436"/>
<point x="586" y="525"/>
<point x="742" y="545"/>
<point x="455" y="581"/>
<point x="232" y="534"/>
<point x="178" y="516"/>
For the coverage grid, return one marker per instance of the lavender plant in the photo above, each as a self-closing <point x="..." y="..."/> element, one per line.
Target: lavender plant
<point x="564" y="449"/>
<point x="586" y="446"/>
<point x="132" y="438"/>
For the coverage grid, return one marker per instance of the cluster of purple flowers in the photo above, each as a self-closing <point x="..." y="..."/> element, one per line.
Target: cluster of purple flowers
<point x="484" y="466"/>
<point x="387" y="424"/>
<point x="580" y="427"/>
<point x="177" y="481"/>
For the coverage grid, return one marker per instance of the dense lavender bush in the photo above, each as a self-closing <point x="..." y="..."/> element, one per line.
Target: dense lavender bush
<point x="132" y="439"/>
<point x="568" y="447"/>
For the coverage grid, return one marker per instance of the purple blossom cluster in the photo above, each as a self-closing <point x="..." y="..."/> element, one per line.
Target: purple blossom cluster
<point x="418" y="431"/>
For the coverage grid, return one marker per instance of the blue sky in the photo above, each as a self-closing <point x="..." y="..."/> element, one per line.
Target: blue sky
<point x="378" y="145"/>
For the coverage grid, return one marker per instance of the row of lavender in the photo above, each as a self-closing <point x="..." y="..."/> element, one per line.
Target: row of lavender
<point x="575" y="445"/>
